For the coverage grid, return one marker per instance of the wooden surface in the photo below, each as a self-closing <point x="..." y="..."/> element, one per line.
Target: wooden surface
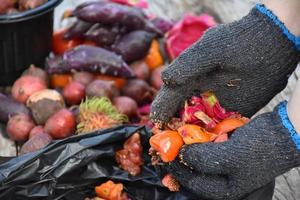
<point x="287" y="185"/>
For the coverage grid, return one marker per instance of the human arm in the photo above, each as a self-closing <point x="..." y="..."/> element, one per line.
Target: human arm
<point x="294" y="108"/>
<point x="287" y="12"/>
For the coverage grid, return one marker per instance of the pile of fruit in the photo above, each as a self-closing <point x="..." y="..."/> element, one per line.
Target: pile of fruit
<point x="86" y="85"/>
<point x="86" y="102"/>
<point x="104" y="72"/>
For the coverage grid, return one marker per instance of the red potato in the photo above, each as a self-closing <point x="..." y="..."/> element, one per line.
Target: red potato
<point x="61" y="124"/>
<point x="84" y="78"/>
<point x="36" y="130"/>
<point x="19" y="127"/>
<point x="155" y="79"/>
<point x="126" y="105"/>
<point x="26" y="86"/>
<point x="73" y="93"/>
<point x="141" y="70"/>
<point x="37" y="72"/>
<point x="100" y="88"/>
<point x="35" y="143"/>
<point x="139" y="90"/>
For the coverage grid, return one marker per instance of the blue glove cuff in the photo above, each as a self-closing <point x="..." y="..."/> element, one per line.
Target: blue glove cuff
<point x="282" y="111"/>
<point x="294" y="39"/>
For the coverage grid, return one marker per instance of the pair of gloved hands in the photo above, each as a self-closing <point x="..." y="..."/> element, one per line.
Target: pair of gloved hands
<point x="245" y="63"/>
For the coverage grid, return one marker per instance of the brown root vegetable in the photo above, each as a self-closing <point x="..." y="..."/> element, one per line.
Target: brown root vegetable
<point x="102" y="35"/>
<point x="89" y="58"/>
<point x="126" y="105"/>
<point x="106" y="12"/>
<point x="36" y="130"/>
<point x="61" y="124"/>
<point x="9" y="106"/>
<point x="100" y="88"/>
<point x="45" y="103"/>
<point x="35" y="143"/>
<point x="139" y="90"/>
<point x="73" y="93"/>
<point x="77" y="29"/>
<point x="37" y="72"/>
<point x="19" y="126"/>
<point x="26" y="86"/>
<point x="141" y="70"/>
<point x="30" y="4"/>
<point x="84" y="78"/>
<point x="134" y="45"/>
<point x="155" y="79"/>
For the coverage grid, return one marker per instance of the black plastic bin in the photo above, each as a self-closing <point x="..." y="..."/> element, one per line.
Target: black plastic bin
<point x="25" y="38"/>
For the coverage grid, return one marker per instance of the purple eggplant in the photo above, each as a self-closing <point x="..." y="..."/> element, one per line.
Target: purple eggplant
<point x="77" y="29"/>
<point x="103" y="35"/>
<point x="89" y="58"/>
<point x="9" y="107"/>
<point x="134" y="46"/>
<point x="112" y="13"/>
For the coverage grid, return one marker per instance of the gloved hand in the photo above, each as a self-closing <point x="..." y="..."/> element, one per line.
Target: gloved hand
<point x="244" y="63"/>
<point x="254" y="155"/>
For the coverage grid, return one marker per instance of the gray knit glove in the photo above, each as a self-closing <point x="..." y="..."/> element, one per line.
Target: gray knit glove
<point x="245" y="63"/>
<point x="254" y="155"/>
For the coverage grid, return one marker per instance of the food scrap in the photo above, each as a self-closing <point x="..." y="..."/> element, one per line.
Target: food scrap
<point x="111" y="191"/>
<point x="202" y="120"/>
<point x="171" y="183"/>
<point x="130" y="157"/>
<point x="186" y="32"/>
<point x="167" y="144"/>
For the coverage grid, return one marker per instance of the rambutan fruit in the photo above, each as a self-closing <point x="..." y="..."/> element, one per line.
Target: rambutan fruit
<point x="98" y="113"/>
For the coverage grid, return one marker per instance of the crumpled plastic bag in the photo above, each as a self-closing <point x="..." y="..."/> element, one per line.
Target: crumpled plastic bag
<point x="71" y="168"/>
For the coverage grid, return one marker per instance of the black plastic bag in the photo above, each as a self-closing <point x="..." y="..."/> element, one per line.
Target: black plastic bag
<point x="70" y="168"/>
